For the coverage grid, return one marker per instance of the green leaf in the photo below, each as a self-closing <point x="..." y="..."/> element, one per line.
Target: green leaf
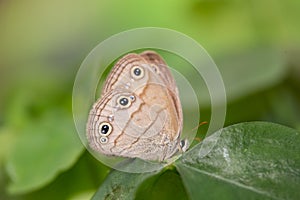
<point x="83" y="195"/>
<point x="79" y="182"/>
<point x="254" y="160"/>
<point x="44" y="149"/>
<point x="165" y="185"/>
<point x="121" y="185"/>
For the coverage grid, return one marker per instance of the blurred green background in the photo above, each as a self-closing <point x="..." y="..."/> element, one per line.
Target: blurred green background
<point x="255" y="44"/>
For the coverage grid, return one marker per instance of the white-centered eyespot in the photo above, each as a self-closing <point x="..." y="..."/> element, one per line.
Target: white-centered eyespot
<point x="137" y="72"/>
<point x="124" y="101"/>
<point x="132" y="97"/>
<point x="103" y="140"/>
<point x="105" y="129"/>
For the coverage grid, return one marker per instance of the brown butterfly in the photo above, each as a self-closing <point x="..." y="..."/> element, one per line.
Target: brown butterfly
<point x="139" y="114"/>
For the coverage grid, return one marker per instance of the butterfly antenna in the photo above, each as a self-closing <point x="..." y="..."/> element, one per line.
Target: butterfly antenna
<point x="200" y="124"/>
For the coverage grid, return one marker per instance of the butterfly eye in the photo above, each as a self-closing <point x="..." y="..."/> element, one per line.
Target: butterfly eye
<point x="125" y="102"/>
<point x="137" y="72"/>
<point x="105" y="129"/>
<point x="184" y="145"/>
<point x="103" y="140"/>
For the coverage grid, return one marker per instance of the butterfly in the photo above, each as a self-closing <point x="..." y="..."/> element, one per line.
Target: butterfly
<point x="139" y="114"/>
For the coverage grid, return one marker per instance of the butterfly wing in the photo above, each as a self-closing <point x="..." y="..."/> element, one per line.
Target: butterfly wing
<point x="149" y="125"/>
<point x="162" y="70"/>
